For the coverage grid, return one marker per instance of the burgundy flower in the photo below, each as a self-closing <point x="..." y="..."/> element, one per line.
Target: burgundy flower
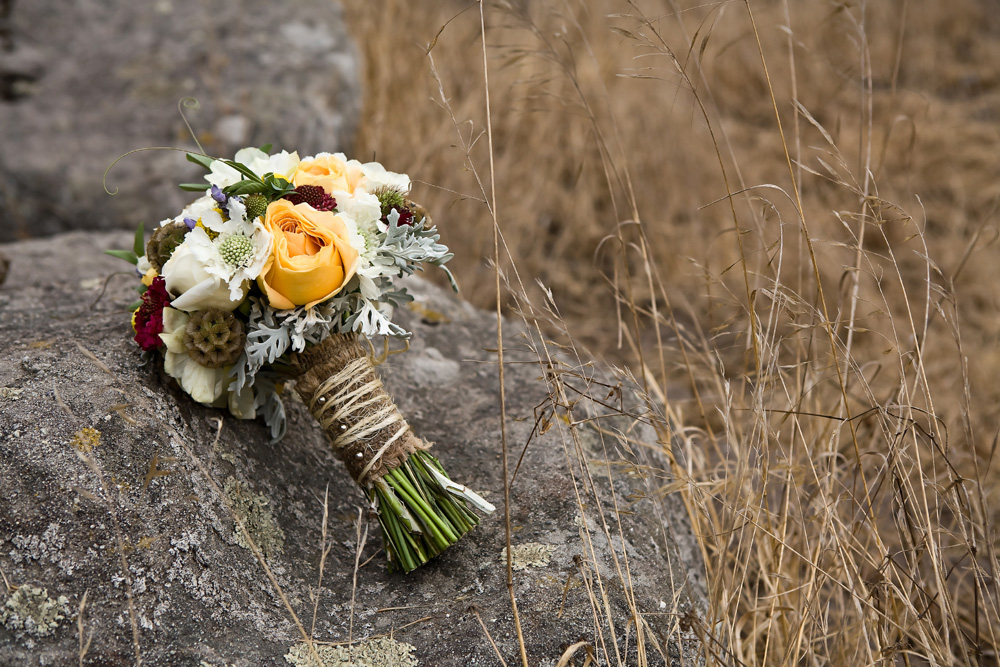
<point x="313" y="195"/>
<point x="405" y="217"/>
<point x="148" y="322"/>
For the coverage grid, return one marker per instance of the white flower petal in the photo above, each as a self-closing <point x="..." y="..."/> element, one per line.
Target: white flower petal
<point x="211" y="293"/>
<point x="186" y="275"/>
<point x="363" y="208"/>
<point x="247" y="156"/>
<point x="377" y="176"/>
<point x="241" y="403"/>
<point x="281" y="164"/>
<point x="222" y="175"/>
<point x="174" y="362"/>
<point x="205" y="385"/>
<point x="174" y="322"/>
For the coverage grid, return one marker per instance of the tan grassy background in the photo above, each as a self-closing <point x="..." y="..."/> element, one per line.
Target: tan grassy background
<point x="823" y="344"/>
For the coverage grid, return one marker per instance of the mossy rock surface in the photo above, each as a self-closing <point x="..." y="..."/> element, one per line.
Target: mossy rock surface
<point x="116" y="484"/>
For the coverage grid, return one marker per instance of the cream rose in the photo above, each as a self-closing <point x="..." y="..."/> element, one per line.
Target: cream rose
<point x="312" y="258"/>
<point x="333" y="173"/>
<point x="186" y="276"/>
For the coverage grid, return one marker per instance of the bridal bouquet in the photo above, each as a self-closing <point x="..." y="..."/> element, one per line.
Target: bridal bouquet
<point x="281" y="271"/>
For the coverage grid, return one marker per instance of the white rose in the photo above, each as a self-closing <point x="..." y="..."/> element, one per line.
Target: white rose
<point x="186" y="276"/>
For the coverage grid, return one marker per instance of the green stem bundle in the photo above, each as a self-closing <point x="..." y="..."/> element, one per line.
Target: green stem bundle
<point x="421" y="510"/>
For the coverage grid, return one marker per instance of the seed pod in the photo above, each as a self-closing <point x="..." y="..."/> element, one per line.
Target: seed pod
<point x="163" y="243"/>
<point x="214" y="338"/>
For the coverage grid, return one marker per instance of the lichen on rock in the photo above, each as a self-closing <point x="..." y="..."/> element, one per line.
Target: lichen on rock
<point x="30" y="611"/>
<point x="252" y="509"/>
<point x="86" y="439"/>
<point x="10" y="393"/>
<point x="379" y="652"/>
<point x="529" y="554"/>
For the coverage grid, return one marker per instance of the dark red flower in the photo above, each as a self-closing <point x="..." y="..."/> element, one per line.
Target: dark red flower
<point x="148" y="321"/>
<point x="313" y="195"/>
<point x="405" y="216"/>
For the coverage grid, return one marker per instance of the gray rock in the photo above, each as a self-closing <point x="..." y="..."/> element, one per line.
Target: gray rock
<point x="136" y="513"/>
<point x="84" y="82"/>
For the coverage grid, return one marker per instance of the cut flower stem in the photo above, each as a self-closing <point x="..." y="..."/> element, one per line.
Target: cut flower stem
<point x="411" y="489"/>
<point x="422" y="512"/>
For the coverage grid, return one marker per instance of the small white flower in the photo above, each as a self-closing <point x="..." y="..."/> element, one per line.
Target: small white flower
<point x="204" y="210"/>
<point x="281" y="164"/>
<point x="363" y="235"/>
<point x="237" y="251"/>
<point x="222" y="175"/>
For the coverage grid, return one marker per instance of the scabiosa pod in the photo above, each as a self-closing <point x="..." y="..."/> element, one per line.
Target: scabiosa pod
<point x="163" y="242"/>
<point x="214" y="338"/>
<point x="279" y="271"/>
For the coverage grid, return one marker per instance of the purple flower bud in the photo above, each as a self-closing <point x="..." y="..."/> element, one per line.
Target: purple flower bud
<point x="191" y="223"/>
<point x="217" y="195"/>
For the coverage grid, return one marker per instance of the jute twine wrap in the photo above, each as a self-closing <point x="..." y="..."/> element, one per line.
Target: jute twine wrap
<point x="338" y="384"/>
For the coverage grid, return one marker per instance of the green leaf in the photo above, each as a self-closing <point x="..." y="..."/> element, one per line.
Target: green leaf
<point x="139" y="247"/>
<point x="267" y="148"/>
<point x="277" y="182"/>
<point x="243" y="169"/>
<point x="245" y="187"/>
<point x="127" y="255"/>
<point x="135" y="305"/>
<point x="202" y="160"/>
<point x="195" y="187"/>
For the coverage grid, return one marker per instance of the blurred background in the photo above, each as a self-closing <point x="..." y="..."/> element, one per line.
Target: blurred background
<point x="778" y="217"/>
<point x="84" y="82"/>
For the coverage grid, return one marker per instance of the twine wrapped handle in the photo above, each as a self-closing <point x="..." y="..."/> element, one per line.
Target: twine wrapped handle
<point x="337" y="382"/>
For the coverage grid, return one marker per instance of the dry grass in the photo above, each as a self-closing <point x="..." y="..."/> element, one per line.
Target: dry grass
<point x="821" y="344"/>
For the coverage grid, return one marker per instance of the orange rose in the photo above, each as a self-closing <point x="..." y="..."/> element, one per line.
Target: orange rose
<point x="311" y="259"/>
<point x="330" y="172"/>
